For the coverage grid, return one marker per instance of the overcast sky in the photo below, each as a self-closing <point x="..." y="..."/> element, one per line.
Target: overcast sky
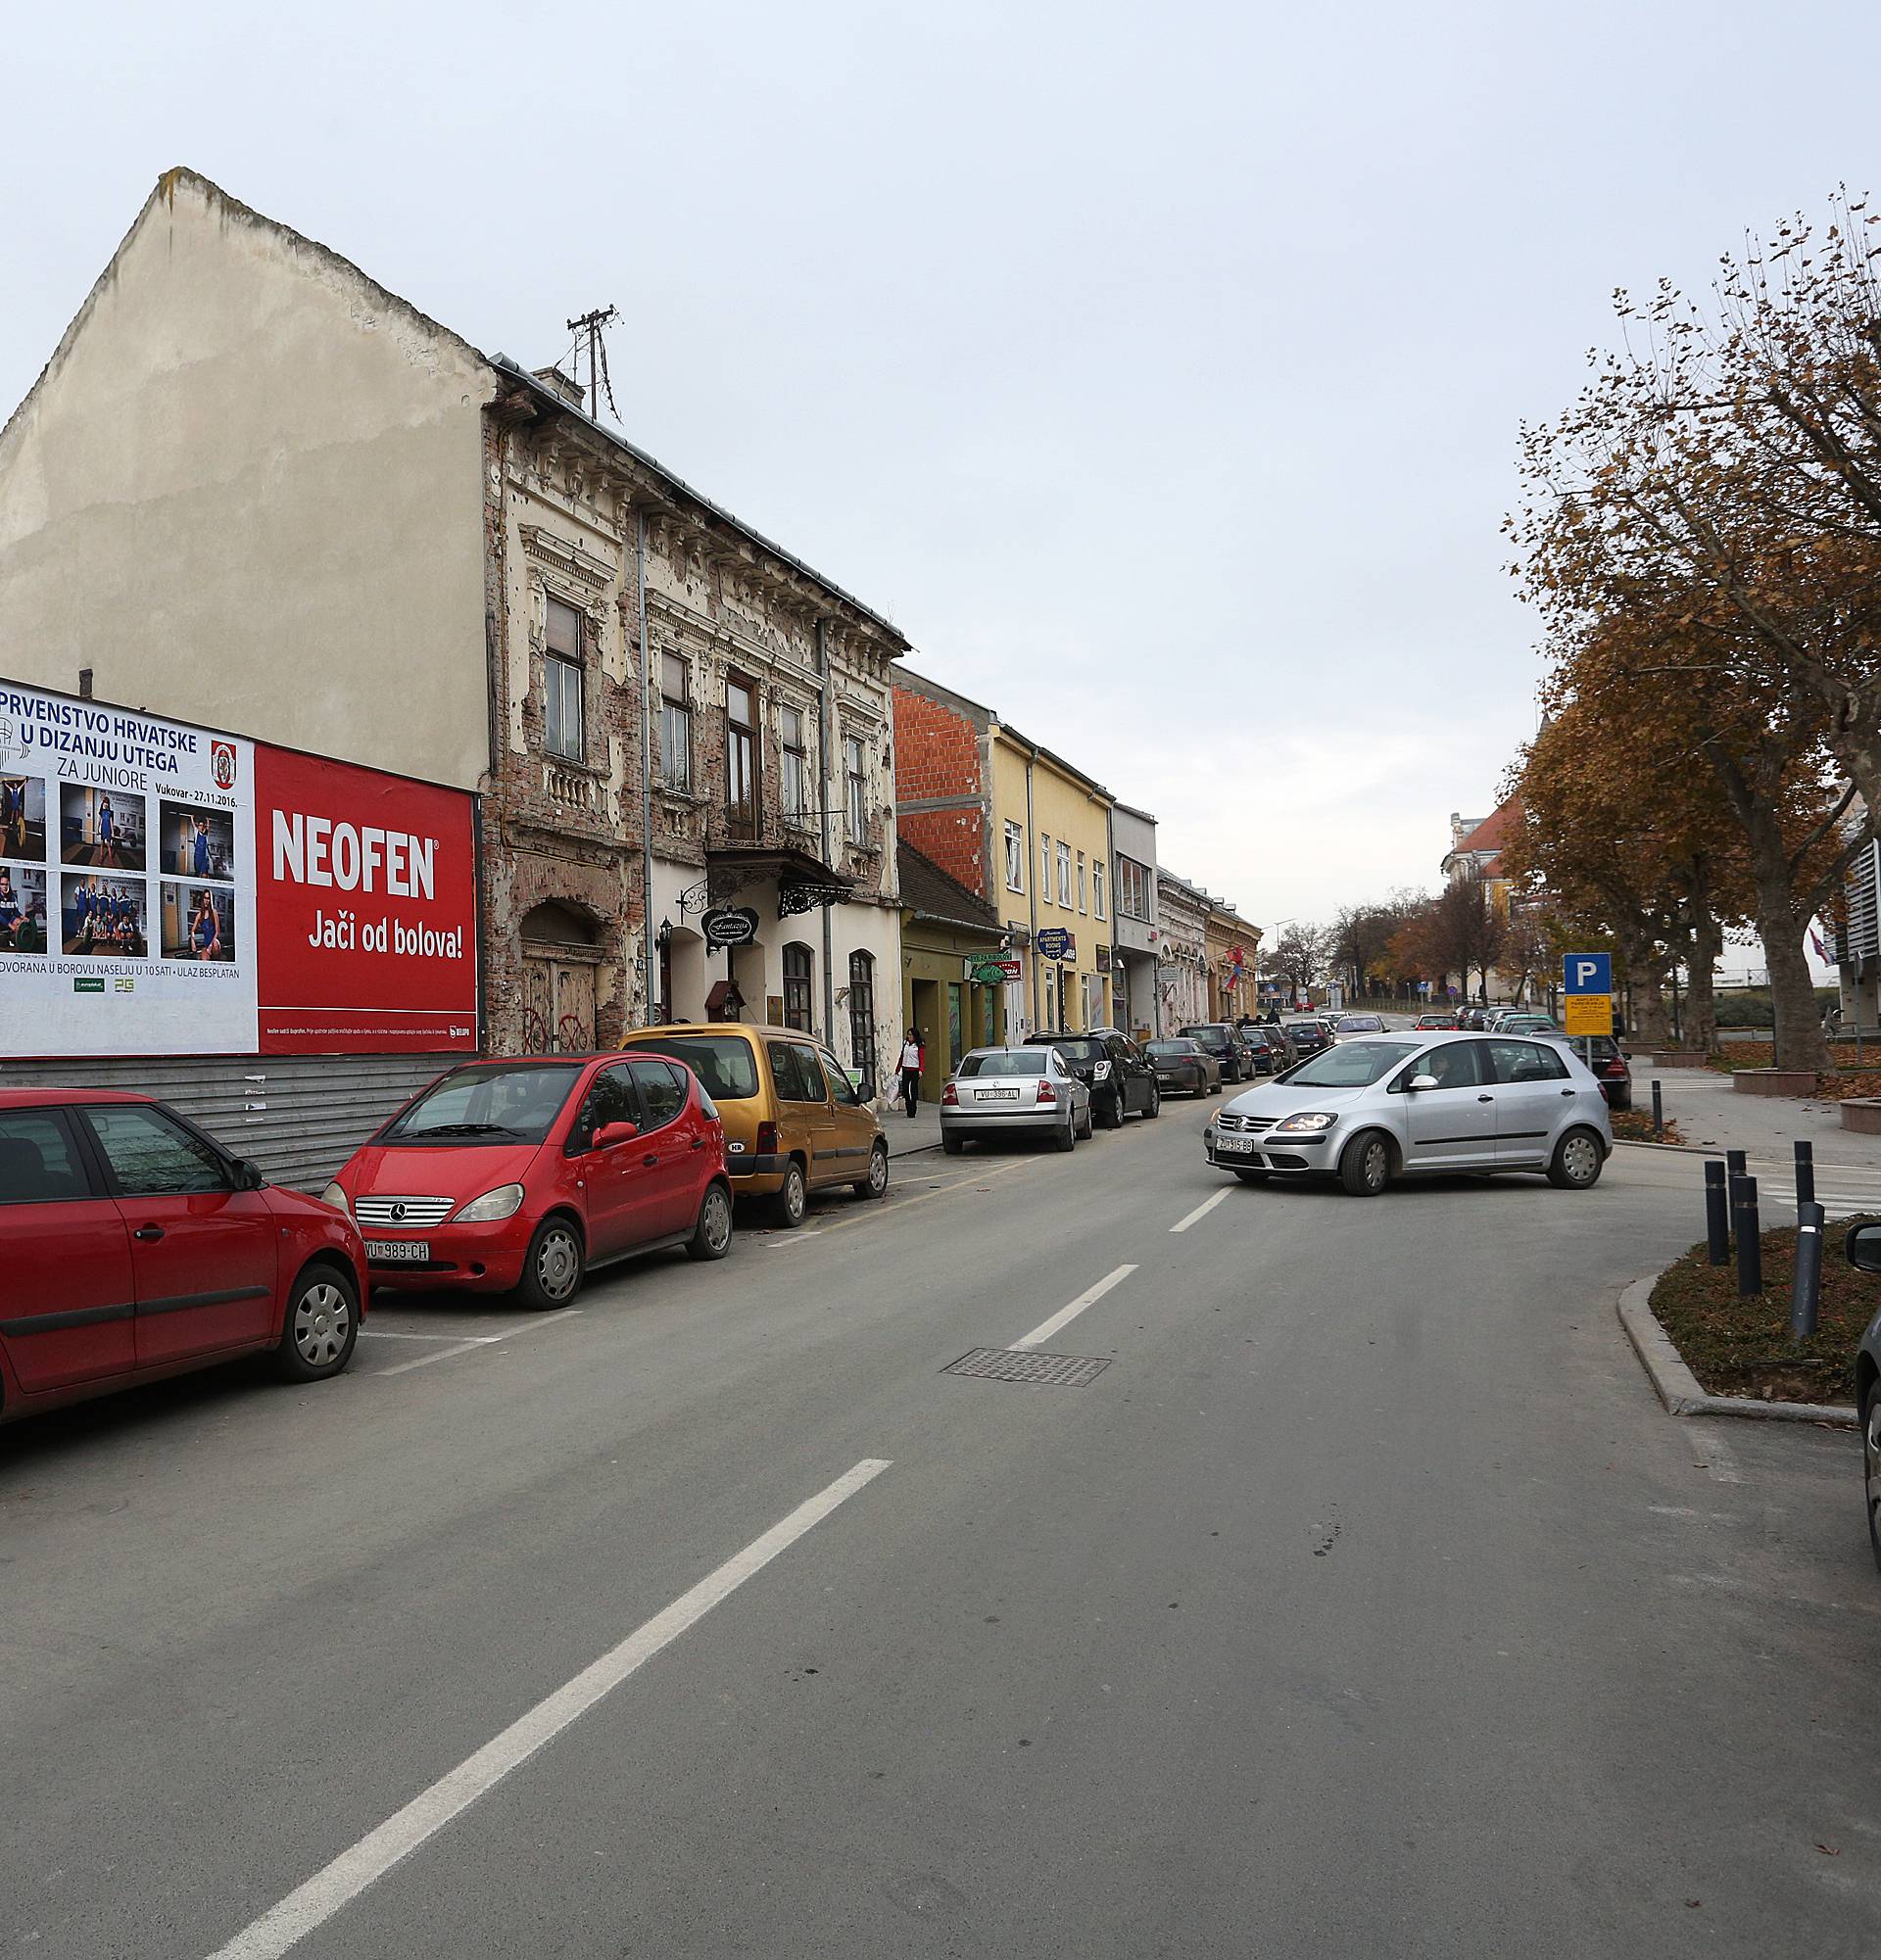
<point x="1157" y="369"/>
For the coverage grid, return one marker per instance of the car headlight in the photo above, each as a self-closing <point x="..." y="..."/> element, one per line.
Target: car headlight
<point x="1099" y="1073"/>
<point x="1308" y="1122"/>
<point x="504" y="1202"/>
<point x="335" y="1197"/>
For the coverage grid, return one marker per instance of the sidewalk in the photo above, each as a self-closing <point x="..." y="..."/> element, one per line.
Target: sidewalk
<point x="1711" y="1116"/>
<point x="921" y="1131"/>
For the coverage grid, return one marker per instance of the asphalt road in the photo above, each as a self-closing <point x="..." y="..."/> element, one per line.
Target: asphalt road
<point x="1364" y="1603"/>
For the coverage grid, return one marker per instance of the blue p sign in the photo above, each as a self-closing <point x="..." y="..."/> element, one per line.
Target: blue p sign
<point x="1587" y="973"/>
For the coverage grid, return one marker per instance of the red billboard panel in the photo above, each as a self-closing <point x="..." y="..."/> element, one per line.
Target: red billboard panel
<point x="365" y="910"/>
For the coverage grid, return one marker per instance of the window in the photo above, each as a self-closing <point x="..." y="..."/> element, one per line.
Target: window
<point x="562" y="721"/>
<point x="610" y="1098"/>
<point x="796" y="987"/>
<point x="1526" y="1061"/>
<point x="726" y="1064"/>
<point x="1098" y="887"/>
<point x="1044" y="866"/>
<point x="741" y="755"/>
<point x="1064" y="875"/>
<point x="663" y="1092"/>
<point x="796" y="1072"/>
<point x="675" y="723"/>
<point x="37" y="1163"/>
<point x="841" y="1089"/>
<point x="1015" y="858"/>
<point x="858" y="777"/>
<point x="1133" y="889"/>
<point x="793" y="725"/>
<point x="1081" y="906"/>
<point x="863" y="1017"/>
<point x="150" y="1154"/>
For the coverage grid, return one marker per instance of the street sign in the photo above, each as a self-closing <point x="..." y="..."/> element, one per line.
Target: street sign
<point x="730" y="926"/>
<point x="1587" y="973"/>
<point x="1587" y="1013"/>
<point x="1055" y="943"/>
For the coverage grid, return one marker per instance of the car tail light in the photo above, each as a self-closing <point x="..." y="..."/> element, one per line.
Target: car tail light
<point x="767" y="1139"/>
<point x="950" y="1095"/>
<point x="1047" y="1093"/>
<point x="1616" y="1067"/>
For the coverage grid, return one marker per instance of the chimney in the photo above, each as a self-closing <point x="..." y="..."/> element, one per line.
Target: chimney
<point x="569" y="390"/>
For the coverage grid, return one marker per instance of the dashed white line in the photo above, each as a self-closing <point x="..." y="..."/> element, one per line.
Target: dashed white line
<point x="1065" y="1314"/>
<point x="1202" y="1209"/>
<point x="338" y="1884"/>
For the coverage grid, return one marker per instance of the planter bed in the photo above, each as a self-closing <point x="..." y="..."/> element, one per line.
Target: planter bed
<point x="1775" y="1082"/>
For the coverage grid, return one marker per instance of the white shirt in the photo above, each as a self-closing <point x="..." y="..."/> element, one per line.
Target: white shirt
<point x="911" y="1055"/>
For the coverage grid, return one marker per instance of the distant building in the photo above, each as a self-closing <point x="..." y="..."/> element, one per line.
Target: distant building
<point x="1136" y="998"/>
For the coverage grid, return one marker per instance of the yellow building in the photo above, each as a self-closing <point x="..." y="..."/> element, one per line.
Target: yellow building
<point x="1233" y="955"/>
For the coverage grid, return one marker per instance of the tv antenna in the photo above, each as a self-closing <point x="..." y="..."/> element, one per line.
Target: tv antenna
<point x="588" y="328"/>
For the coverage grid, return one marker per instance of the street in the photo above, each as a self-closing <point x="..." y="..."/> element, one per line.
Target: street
<point x="1365" y="1603"/>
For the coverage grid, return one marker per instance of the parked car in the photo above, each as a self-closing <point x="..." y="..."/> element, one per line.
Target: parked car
<point x="1478" y="1018"/>
<point x="796" y="1119"/>
<point x="138" y="1247"/>
<point x="1271" y="1049"/>
<point x="1120" y="1076"/>
<point x="522" y="1176"/>
<point x="1184" y="1067"/>
<point x="1517" y="1021"/>
<point x="1308" y="1036"/>
<point x="1435" y="1023"/>
<point x="1862" y="1247"/>
<point x="1026" y="1091"/>
<point x="1348" y="1024"/>
<point x="1607" y="1061"/>
<point x="1233" y="1056"/>
<point x="1394" y="1104"/>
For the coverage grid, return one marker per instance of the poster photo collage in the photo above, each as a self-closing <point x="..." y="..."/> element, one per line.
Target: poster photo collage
<point x="87" y="877"/>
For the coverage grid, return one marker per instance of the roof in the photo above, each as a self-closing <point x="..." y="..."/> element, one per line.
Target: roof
<point x="27" y="1097"/>
<point x="1494" y="831"/>
<point x="931" y="894"/>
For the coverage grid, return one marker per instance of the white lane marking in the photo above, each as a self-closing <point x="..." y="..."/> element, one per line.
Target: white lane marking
<point x="1202" y="1209"/>
<point x="1065" y="1314"/>
<point x="399" y="1335"/>
<point x="336" y="1885"/>
<point x="472" y="1341"/>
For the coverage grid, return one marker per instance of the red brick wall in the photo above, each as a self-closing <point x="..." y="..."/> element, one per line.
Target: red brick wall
<point x="936" y="753"/>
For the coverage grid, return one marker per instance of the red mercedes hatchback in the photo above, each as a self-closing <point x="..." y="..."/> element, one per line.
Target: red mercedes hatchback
<point x="519" y="1175"/>
<point x="137" y="1247"/>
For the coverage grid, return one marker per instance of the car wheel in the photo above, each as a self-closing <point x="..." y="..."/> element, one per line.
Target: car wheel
<point x="1250" y="1176"/>
<point x="1577" y="1161"/>
<point x="1067" y="1138"/>
<point x="712" y="1235"/>
<point x="953" y="1145"/>
<point x="875" y="1183"/>
<point x="1085" y="1127"/>
<point x="1364" y="1168"/>
<point x="320" y="1326"/>
<point x="552" y="1267"/>
<point x="1215" y="1087"/>
<point x="1113" y="1110"/>
<point x="1154" y="1107"/>
<point x="1871" y="1466"/>
<point x="792" y="1199"/>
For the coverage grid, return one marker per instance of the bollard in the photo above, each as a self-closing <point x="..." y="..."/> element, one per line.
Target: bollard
<point x="1749" y="1240"/>
<point x="1734" y="1164"/>
<point x="1717" y="1214"/>
<point x="1808" y="1290"/>
<point x="1658" y="1115"/>
<point x="1805" y="1172"/>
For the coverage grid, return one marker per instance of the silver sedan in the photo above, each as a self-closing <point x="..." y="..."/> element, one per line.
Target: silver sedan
<point x="1390" y="1105"/>
<point x="1013" y="1092"/>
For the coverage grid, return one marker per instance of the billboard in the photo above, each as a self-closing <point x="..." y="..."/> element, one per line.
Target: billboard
<point x="167" y="889"/>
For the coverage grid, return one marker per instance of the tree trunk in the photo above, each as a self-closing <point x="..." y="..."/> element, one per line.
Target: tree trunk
<point x="1701" y="1004"/>
<point x="1799" y="1042"/>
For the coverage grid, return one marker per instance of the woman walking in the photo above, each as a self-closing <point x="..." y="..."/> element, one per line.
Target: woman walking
<point x="913" y="1055"/>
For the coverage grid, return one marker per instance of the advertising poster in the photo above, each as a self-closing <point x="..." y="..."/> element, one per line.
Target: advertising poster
<point x="166" y="890"/>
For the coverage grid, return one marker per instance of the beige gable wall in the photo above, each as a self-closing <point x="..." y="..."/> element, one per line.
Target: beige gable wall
<point x="248" y="490"/>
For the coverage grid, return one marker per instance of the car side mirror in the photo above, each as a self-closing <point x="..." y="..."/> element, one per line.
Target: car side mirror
<point x="1864" y="1247"/>
<point x="1419" y="1082"/>
<point x="248" y="1176"/>
<point x="1625" y="1054"/>
<point x="611" y="1133"/>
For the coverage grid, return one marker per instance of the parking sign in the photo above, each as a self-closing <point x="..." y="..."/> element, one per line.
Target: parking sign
<point x="1587" y="973"/>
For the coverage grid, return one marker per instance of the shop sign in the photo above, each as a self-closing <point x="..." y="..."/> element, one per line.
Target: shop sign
<point x="730" y="926"/>
<point x="1055" y="943"/>
<point x="241" y="898"/>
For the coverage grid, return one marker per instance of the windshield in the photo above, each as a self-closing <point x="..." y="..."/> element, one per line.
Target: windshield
<point x="1172" y="1048"/>
<point x="1081" y="1051"/>
<point x="1005" y="1062"/>
<point x="1304" y="1031"/>
<point x="724" y="1062"/>
<point x="1207" y="1037"/>
<point x="513" y="1105"/>
<point x="1351" y="1065"/>
<point x="1361" y="1024"/>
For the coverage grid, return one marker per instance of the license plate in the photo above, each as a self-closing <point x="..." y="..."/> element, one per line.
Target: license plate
<point x="1234" y="1146"/>
<point x="998" y="1095"/>
<point x="397" y="1252"/>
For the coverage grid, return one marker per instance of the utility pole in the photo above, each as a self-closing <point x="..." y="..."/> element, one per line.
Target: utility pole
<point x="589" y="327"/>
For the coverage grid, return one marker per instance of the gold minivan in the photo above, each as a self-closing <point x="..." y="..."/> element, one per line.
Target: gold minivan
<point x="794" y="1119"/>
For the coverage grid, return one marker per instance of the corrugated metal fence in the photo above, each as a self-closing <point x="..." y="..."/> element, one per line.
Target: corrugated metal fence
<point x="298" y="1117"/>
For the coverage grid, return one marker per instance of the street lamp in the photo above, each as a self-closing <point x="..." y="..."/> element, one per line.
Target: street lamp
<point x="1277" y="925"/>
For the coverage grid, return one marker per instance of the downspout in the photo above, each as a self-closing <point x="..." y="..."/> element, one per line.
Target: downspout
<point x="1118" y="966"/>
<point x="829" y="847"/>
<point x="1032" y="903"/>
<point x="650" y="952"/>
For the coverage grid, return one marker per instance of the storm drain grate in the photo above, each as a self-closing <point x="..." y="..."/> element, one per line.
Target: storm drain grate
<point x="1021" y="1365"/>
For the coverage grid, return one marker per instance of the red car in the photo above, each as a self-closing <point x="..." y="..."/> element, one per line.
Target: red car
<point x="137" y="1247"/>
<point x="519" y="1175"/>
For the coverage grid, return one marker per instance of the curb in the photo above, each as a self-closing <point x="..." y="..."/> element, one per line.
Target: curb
<point x="1677" y="1387"/>
<point x="1683" y="1149"/>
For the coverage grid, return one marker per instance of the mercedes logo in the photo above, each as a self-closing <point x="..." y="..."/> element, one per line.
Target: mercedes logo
<point x="398" y="1211"/>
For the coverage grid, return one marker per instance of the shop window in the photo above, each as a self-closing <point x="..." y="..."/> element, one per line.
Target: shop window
<point x="561" y="712"/>
<point x="675" y="723"/>
<point x="796" y="987"/>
